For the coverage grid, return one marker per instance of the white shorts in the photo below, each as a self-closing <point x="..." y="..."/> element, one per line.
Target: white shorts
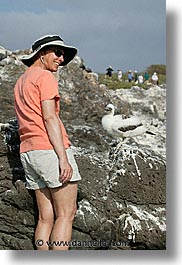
<point x="42" y="168"/>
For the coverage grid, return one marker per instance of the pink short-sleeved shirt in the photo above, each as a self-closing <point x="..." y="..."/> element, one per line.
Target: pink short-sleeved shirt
<point x="34" y="86"/>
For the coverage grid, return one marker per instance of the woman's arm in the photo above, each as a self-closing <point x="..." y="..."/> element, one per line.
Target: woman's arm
<point x="53" y="127"/>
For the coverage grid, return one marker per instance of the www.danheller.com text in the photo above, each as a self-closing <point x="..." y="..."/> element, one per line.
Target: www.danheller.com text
<point x="88" y="244"/>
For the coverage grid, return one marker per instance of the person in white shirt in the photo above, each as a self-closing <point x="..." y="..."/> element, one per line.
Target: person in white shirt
<point x="140" y="79"/>
<point x="155" y="78"/>
<point x="120" y="74"/>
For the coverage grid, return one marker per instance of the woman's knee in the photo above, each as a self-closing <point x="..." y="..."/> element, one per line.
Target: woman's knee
<point x="74" y="211"/>
<point x="67" y="213"/>
<point x="46" y="216"/>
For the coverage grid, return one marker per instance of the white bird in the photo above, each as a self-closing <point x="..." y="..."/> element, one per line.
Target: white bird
<point x="118" y="126"/>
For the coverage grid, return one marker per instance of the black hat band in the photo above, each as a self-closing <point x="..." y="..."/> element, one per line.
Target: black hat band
<point x="45" y="40"/>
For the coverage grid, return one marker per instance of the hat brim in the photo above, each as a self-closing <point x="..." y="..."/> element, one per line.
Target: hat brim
<point x="69" y="53"/>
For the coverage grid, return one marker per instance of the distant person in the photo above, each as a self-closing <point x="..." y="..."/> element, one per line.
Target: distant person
<point x="120" y="75"/>
<point x="140" y="79"/>
<point x="146" y="77"/>
<point x="130" y="76"/>
<point x="155" y="79"/>
<point x="109" y="71"/>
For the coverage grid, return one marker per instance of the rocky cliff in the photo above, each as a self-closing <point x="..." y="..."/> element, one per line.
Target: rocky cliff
<point x="121" y="198"/>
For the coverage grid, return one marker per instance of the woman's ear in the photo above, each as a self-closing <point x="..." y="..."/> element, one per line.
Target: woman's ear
<point x="41" y="56"/>
<point x="42" y="59"/>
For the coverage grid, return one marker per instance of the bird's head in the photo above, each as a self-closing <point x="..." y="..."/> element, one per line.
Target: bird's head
<point x="110" y="109"/>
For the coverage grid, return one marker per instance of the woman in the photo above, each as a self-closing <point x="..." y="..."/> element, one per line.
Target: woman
<point x="48" y="161"/>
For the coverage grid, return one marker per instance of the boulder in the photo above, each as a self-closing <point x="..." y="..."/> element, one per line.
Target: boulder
<point x="3" y="53"/>
<point x="121" y="198"/>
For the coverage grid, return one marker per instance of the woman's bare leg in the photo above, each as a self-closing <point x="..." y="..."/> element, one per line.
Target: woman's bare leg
<point x="64" y="201"/>
<point x="46" y="218"/>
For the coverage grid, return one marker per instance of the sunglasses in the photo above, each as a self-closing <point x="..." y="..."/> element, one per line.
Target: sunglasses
<point x="58" y="52"/>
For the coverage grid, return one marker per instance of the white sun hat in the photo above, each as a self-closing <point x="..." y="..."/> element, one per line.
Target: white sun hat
<point x="49" y="40"/>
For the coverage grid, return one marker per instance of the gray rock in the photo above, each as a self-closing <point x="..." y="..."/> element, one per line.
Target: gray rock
<point x="3" y="53"/>
<point x="121" y="198"/>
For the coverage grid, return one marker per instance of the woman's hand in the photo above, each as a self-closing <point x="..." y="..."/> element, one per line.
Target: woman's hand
<point x="66" y="170"/>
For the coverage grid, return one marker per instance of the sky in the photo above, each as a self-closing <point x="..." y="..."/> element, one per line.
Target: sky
<point x="126" y="34"/>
